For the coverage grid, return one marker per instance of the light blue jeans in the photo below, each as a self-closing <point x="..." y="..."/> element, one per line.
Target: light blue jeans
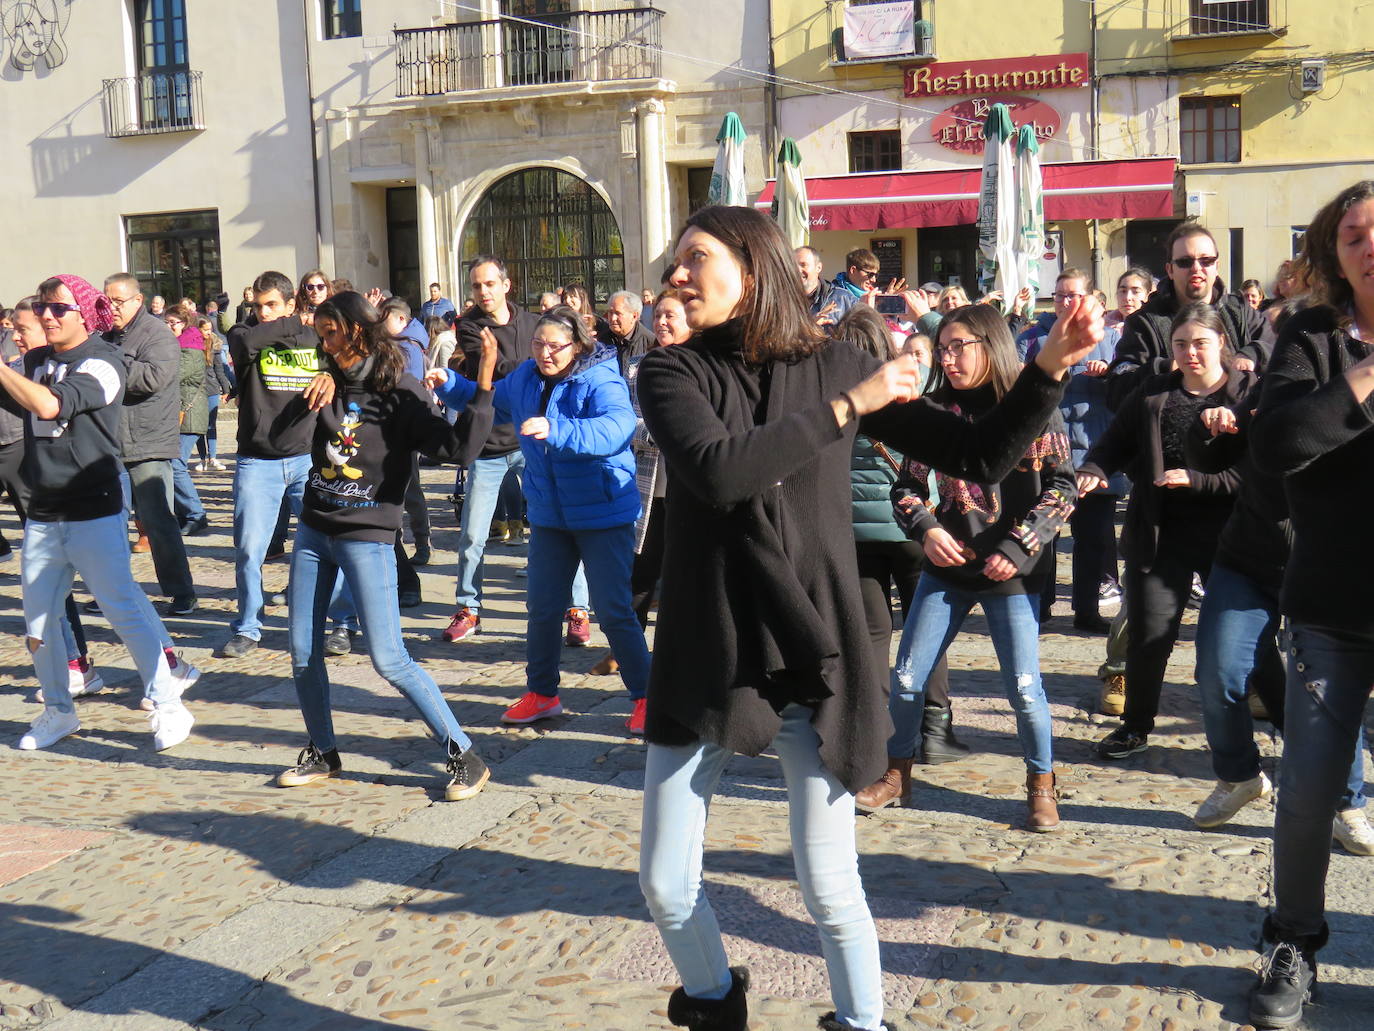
<point x="484" y="480"/>
<point x="938" y="610"/>
<point x="98" y="550"/>
<point x="188" y="504"/>
<point x="259" y="486"/>
<point x="370" y="569"/>
<point x="678" y="785"/>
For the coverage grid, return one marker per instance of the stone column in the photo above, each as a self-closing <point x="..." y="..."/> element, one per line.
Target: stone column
<point x="424" y="205"/>
<point x="653" y="192"/>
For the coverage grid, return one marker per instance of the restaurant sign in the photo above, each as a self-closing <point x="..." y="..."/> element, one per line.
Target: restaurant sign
<point x="961" y="127"/>
<point x="1003" y="75"/>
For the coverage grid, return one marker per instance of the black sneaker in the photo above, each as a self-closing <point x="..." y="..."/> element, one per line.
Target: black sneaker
<point x="1121" y="743"/>
<point x="311" y="765"/>
<point x="196" y="527"/>
<point x="422" y="555"/>
<point x="1287" y="981"/>
<point x="1109" y="590"/>
<point x="338" y="641"/>
<point x="408" y="599"/>
<point x="237" y="647"/>
<point x="182" y="606"/>
<point x="469" y="773"/>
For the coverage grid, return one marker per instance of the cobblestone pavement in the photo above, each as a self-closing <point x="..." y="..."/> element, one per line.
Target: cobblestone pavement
<point x="159" y="891"/>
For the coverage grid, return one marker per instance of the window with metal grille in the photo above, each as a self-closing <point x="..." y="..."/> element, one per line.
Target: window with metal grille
<point x="875" y="151"/>
<point x="342" y="18"/>
<point x="176" y="255"/>
<point x="1209" y="129"/>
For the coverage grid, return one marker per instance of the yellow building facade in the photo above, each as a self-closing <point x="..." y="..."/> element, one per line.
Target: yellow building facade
<point x="1256" y="103"/>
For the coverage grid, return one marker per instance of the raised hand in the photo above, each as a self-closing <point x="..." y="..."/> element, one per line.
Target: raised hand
<point x="1073" y="337"/>
<point x="487" y="365"/>
<point x="436" y="378"/>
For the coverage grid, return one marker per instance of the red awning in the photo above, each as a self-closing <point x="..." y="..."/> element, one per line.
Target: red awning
<point x="1078" y="190"/>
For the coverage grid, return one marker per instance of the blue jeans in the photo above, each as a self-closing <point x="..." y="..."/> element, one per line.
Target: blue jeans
<point x="1237" y="633"/>
<point x="938" y="610"/>
<point x="98" y="550"/>
<point x="1329" y="680"/>
<point x="260" y="484"/>
<point x="208" y="443"/>
<point x="370" y="569"/>
<point x="678" y="785"/>
<point x="608" y="556"/>
<point x="484" y="480"/>
<point x="188" y="504"/>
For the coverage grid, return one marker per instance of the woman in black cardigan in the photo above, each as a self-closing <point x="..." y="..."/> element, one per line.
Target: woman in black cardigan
<point x="761" y="640"/>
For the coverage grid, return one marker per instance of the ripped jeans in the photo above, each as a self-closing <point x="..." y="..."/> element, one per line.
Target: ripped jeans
<point x="1329" y="680"/>
<point x="938" y="610"/>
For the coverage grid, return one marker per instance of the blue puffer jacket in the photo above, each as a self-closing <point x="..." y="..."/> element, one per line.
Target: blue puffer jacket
<point x="582" y="477"/>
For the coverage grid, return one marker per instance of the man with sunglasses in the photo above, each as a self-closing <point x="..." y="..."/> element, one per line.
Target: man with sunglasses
<point x="149" y="432"/>
<point x="1190" y="275"/>
<point x="860" y="275"/>
<point x="69" y="395"/>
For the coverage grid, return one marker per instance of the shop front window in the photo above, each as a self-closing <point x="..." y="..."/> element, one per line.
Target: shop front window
<point x="550" y="228"/>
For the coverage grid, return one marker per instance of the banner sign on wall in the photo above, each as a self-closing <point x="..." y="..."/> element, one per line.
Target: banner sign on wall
<point x="879" y="30"/>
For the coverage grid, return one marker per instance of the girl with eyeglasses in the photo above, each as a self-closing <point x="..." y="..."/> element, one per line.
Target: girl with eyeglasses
<point x="576" y="426"/>
<point x="986" y="543"/>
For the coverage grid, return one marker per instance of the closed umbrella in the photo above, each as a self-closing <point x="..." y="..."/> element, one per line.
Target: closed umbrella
<point x="790" y="206"/>
<point x="997" y="207"/>
<point x="727" y="175"/>
<point x="1030" y="213"/>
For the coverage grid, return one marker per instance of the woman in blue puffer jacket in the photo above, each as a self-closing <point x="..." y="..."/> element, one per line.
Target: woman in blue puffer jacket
<point x="576" y="425"/>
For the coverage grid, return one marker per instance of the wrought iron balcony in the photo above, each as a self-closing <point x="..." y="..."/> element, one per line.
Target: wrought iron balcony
<point x="579" y="46"/>
<point x="857" y="52"/>
<point x="152" y="103"/>
<point x="1197" y="19"/>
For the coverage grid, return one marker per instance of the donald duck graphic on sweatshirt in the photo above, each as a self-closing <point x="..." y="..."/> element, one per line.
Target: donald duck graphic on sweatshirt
<point x="344" y="446"/>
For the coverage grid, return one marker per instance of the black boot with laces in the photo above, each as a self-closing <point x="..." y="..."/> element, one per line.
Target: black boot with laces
<point x="468" y="773"/>
<point x="1288" y="978"/>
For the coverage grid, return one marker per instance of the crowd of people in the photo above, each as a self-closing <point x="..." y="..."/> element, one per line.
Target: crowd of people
<point x="767" y="453"/>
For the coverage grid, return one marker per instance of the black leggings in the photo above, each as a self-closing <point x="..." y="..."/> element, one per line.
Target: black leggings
<point x="648" y="564"/>
<point x="882" y="563"/>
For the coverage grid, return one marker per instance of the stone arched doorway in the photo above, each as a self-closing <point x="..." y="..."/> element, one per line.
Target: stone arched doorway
<point x="551" y="228"/>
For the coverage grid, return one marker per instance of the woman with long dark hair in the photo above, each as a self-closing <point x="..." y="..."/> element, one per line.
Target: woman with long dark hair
<point x="314" y="290"/>
<point x="1312" y="427"/>
<point x="368" y="428"/>
<point x="759" y="643"/>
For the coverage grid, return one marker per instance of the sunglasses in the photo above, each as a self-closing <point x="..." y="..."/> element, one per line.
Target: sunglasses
<point x="312" y="287"/>
<point x="57" y="309"/>
<point x="1206" y="261"/>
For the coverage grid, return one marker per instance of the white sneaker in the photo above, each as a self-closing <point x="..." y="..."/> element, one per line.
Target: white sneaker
<point x="79" y="683"/>
<point x="217" y="465"/>
<point x="1227" y="799"/>
<point x="171" y="724"/>
<point x="1351" y="828"/>
<point x="51" y="727"/>
<point x="183" y="679"/>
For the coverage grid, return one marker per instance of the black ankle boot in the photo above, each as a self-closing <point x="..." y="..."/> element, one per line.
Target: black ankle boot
<point x="938" y="743"/>
<point x="728" y="1014"/>
<point x="1288" y="979"/>
<point x="829" y="1023"/>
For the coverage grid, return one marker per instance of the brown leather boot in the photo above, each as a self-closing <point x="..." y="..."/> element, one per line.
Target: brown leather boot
<point x="141" y="546"/>
<point x="892" y="785"/>
<point x="605" y="667"/>
<point x="1042" y="801"/>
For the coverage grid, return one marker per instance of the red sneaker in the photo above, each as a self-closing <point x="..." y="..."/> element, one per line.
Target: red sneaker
<point x="579" y="629"/>
<point x="635" y="724"/>
<point x="465" y="623"/>
<point x="533" y="707"/>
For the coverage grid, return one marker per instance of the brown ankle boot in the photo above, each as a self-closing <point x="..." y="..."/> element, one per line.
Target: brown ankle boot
<point x="141" y="546"/>
<point x="606" y="666"/>
<point x="1042" y="801"/>
<point x="892" y="785"/>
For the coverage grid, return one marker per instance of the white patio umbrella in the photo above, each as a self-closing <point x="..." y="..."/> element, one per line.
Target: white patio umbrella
<point x="790" y="206"/>
<point x="997" y="208"/>
<point x="727" y="175"/>
<point x="1030" y="213"/>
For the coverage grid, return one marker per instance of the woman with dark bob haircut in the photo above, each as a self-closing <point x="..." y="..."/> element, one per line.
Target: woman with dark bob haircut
<point x="373" y="417"/>
<point x="1312" y="428"/>
<point x="761" y="640"/>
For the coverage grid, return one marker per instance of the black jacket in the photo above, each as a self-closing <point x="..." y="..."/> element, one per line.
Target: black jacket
<point x="513" y="341"/>
<point x="273" y="362"/>
<point x="760" y="601"/>
<point x="1144" y="349"/>
<point x="639" y="343"/>
<point x="1311" y="431"/>
<point x="1133" y="445"/>
<point x="149" y="423"/>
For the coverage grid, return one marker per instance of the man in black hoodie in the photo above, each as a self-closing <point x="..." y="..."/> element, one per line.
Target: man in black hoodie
<point x="1191" y="271"/>
<point x="273" y="361"/>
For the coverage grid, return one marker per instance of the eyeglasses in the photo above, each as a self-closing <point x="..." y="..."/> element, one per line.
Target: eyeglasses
<point x="57" y="309"/>
<point x="1187" y="262"/>
<point x="120" y="302"/>
<point x="541" y="348"/>
<point x="1067" y="297"/>
<point x="955" y="348"/>
<point x="312" y="287"/>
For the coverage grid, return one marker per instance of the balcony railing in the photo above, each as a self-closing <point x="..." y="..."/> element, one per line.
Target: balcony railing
<point x="859" y="51"/>
<point x="1193" y="19"/>
<point x="152" y="103"/>
<point x="579" y="46"/>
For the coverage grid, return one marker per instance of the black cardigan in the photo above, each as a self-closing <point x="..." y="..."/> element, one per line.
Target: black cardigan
<point x="1132" y="444"/>
<point x="760" y="600"/>
<point x="1310" y="430"/>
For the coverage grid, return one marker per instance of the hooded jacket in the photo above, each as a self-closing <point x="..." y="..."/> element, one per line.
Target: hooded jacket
<point x="582" y="477"/>
<point x="273" y="363"/>
<point x="149" y="420"/>
<point x="1145" y="350"/>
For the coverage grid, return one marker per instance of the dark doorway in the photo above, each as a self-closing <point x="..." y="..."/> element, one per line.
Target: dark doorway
<point x="403" y="243"/>
<point x="176" y="255"/>
<point x="1145" y="243"/>
<point x="948" y="255"/>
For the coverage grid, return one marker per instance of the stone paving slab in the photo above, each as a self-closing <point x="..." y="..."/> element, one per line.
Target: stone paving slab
<point x="25" y="848"/>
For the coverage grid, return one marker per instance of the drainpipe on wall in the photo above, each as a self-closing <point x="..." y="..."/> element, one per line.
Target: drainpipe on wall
<point x="314" y="145"/>
<point x="770" y="121"/>
<point x="1094" y="113"/>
